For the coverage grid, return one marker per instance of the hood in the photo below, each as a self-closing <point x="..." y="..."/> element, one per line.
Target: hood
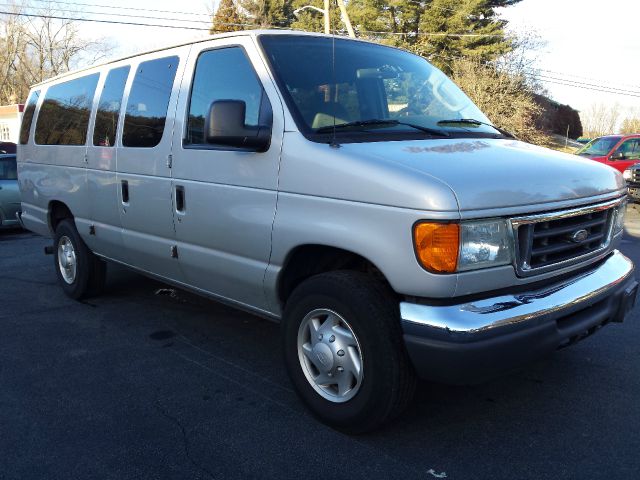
<point x="597" y="158"/>
<point x="496" y="173"/>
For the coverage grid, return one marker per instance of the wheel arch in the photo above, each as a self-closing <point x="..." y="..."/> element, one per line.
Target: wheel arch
<point x="307" y="260"/>
<point x="56" y="212"/>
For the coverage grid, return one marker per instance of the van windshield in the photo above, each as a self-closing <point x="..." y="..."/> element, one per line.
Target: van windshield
<point x="368" y="89"/>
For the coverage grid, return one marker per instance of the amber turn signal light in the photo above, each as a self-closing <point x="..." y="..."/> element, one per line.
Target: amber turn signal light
<point x="437" y="246"/>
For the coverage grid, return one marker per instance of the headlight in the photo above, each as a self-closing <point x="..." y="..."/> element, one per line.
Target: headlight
<point x="484" y="244"/>
<point x="618" y="224"/>
<point x="456" y="247"/>
<point x="627" y="174"/>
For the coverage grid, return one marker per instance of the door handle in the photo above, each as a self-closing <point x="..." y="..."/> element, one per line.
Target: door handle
<point x="180" y="199"/>
<point x="124" y="186"/>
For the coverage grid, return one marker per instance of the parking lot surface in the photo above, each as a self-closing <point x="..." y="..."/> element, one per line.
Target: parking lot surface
<point x="151" y="382"/>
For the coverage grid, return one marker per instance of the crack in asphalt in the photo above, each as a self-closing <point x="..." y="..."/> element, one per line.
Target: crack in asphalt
<point x="185" y="440"/>
<point x="186" y="341"/>
<point x="232" y="380"/>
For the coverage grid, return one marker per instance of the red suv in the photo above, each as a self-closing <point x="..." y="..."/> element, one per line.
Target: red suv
<point x="617" y="151"/>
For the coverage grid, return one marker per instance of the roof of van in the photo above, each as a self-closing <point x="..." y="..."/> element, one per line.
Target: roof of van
<point x="241" y="33"/>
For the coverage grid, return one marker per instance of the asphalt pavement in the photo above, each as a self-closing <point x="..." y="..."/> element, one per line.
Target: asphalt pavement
<point x="147" y="382"/>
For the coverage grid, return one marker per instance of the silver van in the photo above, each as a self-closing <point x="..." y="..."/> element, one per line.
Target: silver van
<point x="347" y="189"/>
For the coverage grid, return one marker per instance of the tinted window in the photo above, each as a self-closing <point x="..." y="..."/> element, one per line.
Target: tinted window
<point x="104" y="132"/>
<point x="224" y="74"/>
<point x="27" y="116"/>
<point x="8" y="168"/>
<point x="630" y="149"/>
<point x="64" y="114"/>
<point x="148" y="102"/>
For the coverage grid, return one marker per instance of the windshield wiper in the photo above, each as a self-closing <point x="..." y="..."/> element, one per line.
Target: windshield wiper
<point x="473" y="121"/>
<point x="387" y="121"/>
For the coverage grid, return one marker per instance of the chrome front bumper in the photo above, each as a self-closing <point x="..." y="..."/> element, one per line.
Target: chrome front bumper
<point x="510" y="327"/>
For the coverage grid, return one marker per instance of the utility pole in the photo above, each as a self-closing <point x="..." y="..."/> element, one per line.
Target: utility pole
<point x="345" y="17"/>
<point x="326" y="12"/>
<point x="327" y="24"/>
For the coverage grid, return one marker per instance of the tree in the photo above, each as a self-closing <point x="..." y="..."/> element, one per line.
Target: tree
<point x="600" y="119"/>
<point x="268" y="13"/>
<point x="227" y="18"/>
<point x="36" y="48"/>
<point x="503" y="96"/>
<point x="446" y="18"/>
<point x="631" y="125"/>
<point x="557" y="118"/>
<point x="437" y="29"/>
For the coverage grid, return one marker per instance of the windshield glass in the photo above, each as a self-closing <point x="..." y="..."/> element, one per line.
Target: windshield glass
<point x="358" y="85"/>
<point x="598" y="146"/>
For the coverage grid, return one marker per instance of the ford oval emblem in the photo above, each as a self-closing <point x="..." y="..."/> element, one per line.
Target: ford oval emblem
<point x="322" y="358"/>
<point x="579" y="236"/>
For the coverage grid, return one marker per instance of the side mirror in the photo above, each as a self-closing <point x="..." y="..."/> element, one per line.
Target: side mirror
<point x="618" y="156"/>
<point x="224" y="125"/>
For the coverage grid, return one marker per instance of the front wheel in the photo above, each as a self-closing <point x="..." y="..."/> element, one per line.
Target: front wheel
<point x="79" y="271"/>
<point x="344" y="351"/>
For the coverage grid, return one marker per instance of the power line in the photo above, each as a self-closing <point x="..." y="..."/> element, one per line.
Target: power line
<point x="118" y="22"/>
<point x="565" y="81"/>
<point x="122" y="8"/>
<point x="57" y="17"/>
<point x="126" y="15"/>
<point x="591" y="79"/>
<point x="537" y="76"/>
<point x="568" y="83"/>
<point x="613" y="89"/>
<point x="435" y="34"/>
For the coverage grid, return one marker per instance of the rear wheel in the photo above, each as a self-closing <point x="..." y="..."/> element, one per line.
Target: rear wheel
<point x="79" y="271"/>
<point x="344" y="351"/>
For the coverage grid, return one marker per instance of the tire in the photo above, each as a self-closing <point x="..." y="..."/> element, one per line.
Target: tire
<point x="80" y="273"/>
<point x="349" y="304"/>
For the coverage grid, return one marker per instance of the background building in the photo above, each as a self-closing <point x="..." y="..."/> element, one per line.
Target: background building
<point x="10" y="116"/>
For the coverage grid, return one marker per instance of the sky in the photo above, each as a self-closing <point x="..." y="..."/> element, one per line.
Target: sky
<point x="585" y="44"/>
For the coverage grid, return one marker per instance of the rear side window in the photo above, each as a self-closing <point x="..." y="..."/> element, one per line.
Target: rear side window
<point x="104" y="132"/>
<point x="27" y="116"/>
<point x="148" y="101"/>
<point x="224" y="74"/>
<point x="8" y="168"/>
<point x="64" y="114"/>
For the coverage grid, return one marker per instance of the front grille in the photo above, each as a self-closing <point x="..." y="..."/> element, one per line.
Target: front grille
<point x="559" y="238"/>
<point x="635" y="175"/>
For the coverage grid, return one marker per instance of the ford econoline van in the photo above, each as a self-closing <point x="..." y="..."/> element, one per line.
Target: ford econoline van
<point x="347" y="189"/>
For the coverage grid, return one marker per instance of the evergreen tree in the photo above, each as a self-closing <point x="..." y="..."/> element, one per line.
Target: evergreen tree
<point x="268" y="13"/>
<point x="227" y="18"/>
<point x="408" y="23"/>
<point x="471" y="17"/>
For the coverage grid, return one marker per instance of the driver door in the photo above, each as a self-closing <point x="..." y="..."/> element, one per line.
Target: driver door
<point x="225" y="197"/>
<point x="627" y="154"/>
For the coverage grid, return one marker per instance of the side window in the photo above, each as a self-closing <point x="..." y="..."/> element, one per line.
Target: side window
<point x="27" y="116"/>
<point x="630" y="149"/>
<point x="64" y="114"/>
<point x="148" y="102"/>
<point x="224" y="74"/>
<point x="104" y="132"/>
<point x="8" y="168"/>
